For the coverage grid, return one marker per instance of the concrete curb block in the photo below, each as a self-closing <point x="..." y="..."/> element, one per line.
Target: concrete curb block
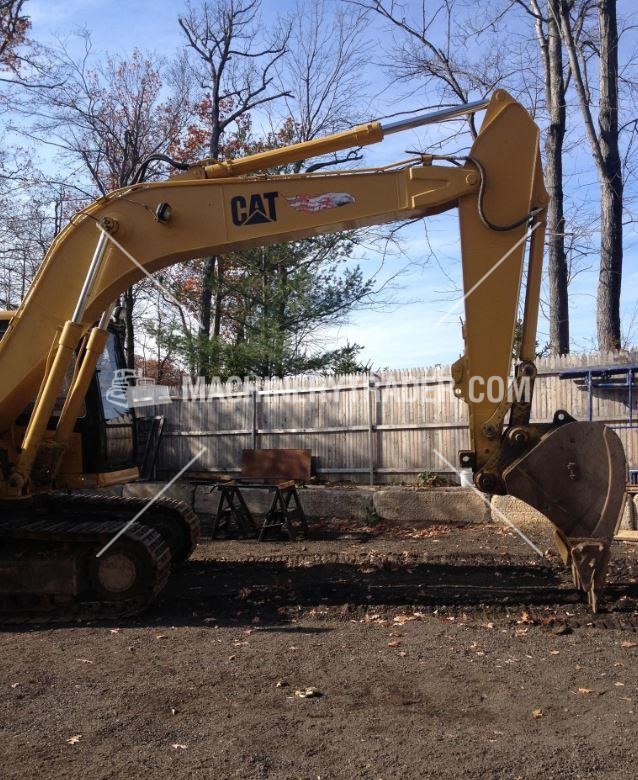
<point x="440" y="505"/>
<point x="346" y="504"/>
<point x="524" y="516"/>
<point x="629" y="520"/>
<point x="400" y="505"/>
<point x="517" y="512"/>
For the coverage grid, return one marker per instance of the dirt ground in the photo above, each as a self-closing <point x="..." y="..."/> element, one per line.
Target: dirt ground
<point x="446" y="653"/>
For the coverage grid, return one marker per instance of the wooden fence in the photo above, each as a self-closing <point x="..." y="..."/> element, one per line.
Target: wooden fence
<point x="368" y="428"/>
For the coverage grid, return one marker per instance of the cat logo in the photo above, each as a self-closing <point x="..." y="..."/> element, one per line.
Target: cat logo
<point x="258" y="209"/>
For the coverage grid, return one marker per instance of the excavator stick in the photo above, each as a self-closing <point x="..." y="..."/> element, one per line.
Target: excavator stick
<point x="572" y="472"/>
<point x="576" y="475"/>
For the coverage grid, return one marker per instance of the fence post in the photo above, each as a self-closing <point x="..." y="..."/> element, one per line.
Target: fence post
<point x="255" y="419"/>
<point x="372" y="406"/>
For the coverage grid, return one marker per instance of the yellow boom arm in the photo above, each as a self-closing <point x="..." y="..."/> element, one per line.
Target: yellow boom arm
<point x="208" y="216"/>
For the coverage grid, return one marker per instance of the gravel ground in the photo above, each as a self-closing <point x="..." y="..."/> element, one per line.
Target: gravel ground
<point x="446" y="652"/>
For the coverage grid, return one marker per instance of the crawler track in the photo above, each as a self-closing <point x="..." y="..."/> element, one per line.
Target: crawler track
<point x="49" y="566"/>
<point x="175" y="521"/>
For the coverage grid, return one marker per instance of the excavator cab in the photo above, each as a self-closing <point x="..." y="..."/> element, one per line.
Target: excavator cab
<point x="5" y="319"/>
<point x="103" y="444"/>
<point x="108" y="428"/>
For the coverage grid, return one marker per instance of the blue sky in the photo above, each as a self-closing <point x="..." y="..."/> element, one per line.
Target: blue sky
<point x="398" y="335"/>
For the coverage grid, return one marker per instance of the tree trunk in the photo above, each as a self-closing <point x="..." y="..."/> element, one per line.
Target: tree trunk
<point x="557" y="260"/>
<point x="282" y="279"/>
<point x="219" y="299"/>
<point x="205" y="314"/>
<point x="210" y="267"/>
<point x="129" y="328"/>
<point x="611" y="184"/>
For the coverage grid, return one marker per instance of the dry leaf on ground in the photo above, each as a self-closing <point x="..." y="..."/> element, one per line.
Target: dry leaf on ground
<point x="308" y="693"/>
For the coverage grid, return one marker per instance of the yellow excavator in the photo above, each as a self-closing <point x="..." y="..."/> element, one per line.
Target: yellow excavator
<point x="67" y="551"/>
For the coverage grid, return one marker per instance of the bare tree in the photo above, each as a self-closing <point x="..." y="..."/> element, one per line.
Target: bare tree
<point x="431" y="47"/>
<point x="605" y="148"/>
<point x="235" y="66"/>
<point x="547" y="32"/>
<point x="33" y="211"/>
<point x="106" y="121"/>
<point x="23" y="62"/>
<point x="13" y="29"/>
<point x="323" y="69"/>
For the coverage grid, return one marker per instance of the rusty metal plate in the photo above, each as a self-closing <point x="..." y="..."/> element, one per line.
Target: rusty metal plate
<point x="276" y="464"/>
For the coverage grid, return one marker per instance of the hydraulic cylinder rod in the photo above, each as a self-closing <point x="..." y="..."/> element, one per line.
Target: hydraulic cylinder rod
<point x="361" y="135"/>
<point x="95" y="344"/>
<point x="54" y="378"/>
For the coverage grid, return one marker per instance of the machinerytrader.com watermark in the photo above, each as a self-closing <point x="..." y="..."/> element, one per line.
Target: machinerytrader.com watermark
<point x="130" y="389"/>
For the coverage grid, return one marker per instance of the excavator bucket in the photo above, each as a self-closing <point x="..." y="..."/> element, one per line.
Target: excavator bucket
<point x="576" y="476"/>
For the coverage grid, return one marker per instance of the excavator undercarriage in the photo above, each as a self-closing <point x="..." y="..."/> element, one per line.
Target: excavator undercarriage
<point x="68" y="554"/>
<point x="52" y="567"/>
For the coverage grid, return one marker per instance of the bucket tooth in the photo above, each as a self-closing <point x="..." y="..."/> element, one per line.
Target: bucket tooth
<point x="590" y="558"/>
<point x="576" y="476"/>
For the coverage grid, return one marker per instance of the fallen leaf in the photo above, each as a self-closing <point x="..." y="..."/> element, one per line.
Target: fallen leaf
<point x="394" y="643"/>
<point x="232" y="657"/>
<point x="160" y="636"/>
<point x="586" y="691"/>
<point x="403" y="653"/>
<point x="74" y="739"/>
<point x="178" y="746"/>
<point x="554" y="652"/>
<point x="281" y="684"/>
<point x="628" y="643"/>
<point x="308" y="693"/>
<point x="401" y="619"/>
<point x="85" y="661"/>
<point x="115" y="630"/>
<point x="538" y="713"/>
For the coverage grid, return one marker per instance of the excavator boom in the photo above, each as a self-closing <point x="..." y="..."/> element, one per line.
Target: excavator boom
<point x="214" y="209"/>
